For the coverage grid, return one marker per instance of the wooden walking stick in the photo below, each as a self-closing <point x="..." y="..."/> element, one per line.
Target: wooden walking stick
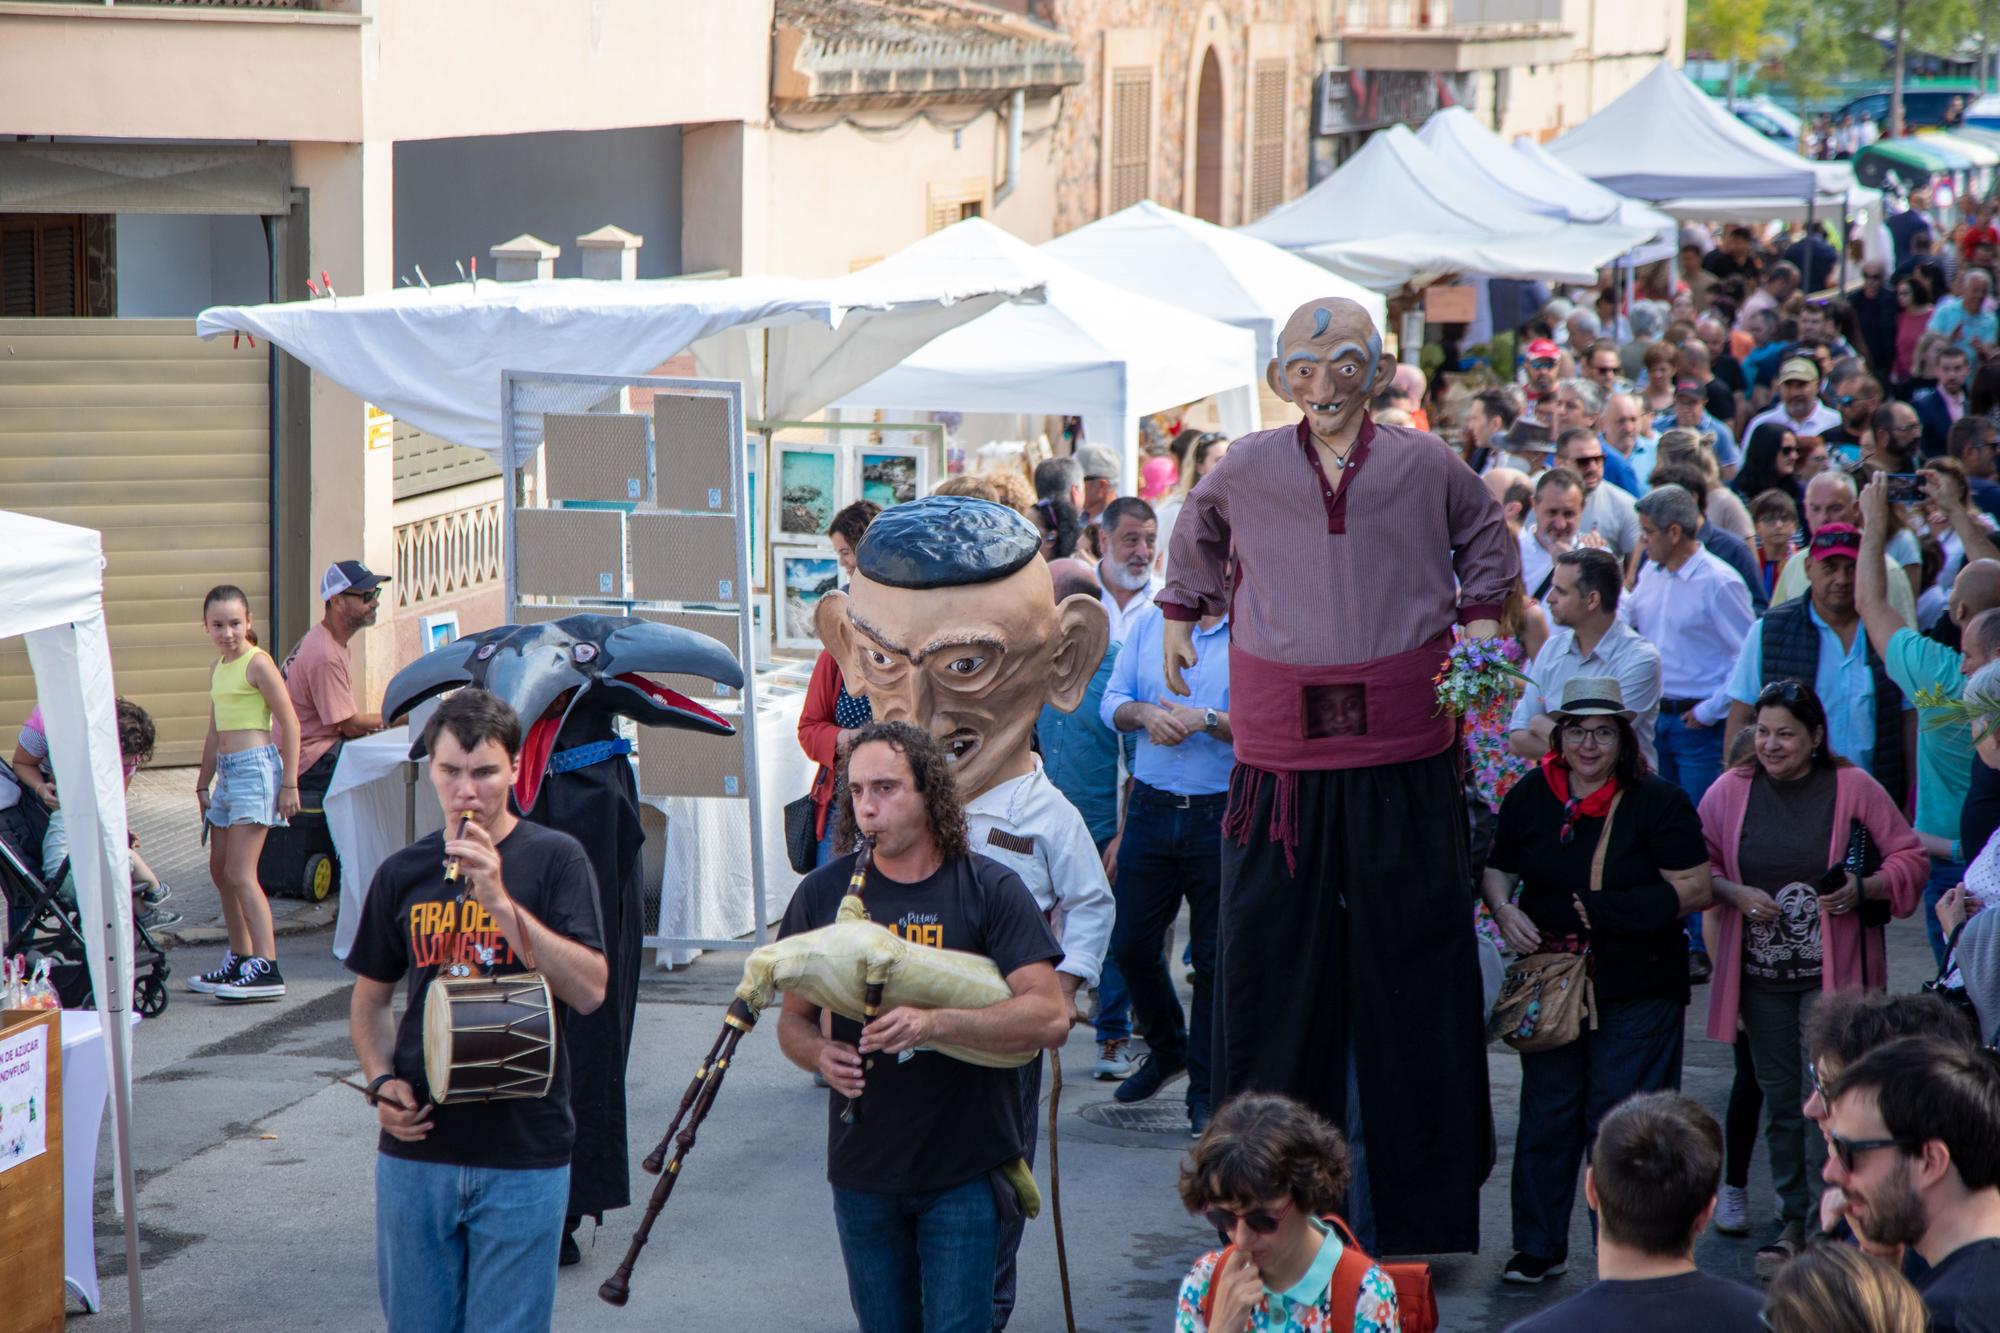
<point x="1055" y="1186"/>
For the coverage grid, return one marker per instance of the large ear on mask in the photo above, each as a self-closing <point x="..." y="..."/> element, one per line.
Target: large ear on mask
<point x="837" y="634"/>
<point x="1385" y="371"/>
<point x="1276" y="380"/>
<point x="1083" y="633"/>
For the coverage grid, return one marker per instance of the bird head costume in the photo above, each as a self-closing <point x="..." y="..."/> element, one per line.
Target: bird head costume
<point x="951" y="624"/>
<point x="588" y="663"/>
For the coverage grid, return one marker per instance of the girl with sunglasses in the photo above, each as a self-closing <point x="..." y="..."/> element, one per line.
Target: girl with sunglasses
<point x="1269" y="1176"/>
<point x="1791" y="922"/>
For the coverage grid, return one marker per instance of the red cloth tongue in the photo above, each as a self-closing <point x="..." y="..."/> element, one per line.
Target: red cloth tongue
<point x="541" y="741"/>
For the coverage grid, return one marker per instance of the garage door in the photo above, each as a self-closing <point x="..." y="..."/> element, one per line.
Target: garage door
<point x="160" y="441"/>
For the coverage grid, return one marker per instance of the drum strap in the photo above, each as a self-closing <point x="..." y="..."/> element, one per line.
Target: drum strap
<point x="583" y="756"/>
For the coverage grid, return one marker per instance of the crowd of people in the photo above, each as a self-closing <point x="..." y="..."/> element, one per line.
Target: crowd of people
<point x="1755" y="529"/>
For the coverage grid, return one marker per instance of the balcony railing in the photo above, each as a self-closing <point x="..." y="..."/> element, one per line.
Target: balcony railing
<point x="448" y="555"/>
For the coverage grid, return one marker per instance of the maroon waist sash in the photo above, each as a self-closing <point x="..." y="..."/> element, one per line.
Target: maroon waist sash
<point x="1294" y="719"/>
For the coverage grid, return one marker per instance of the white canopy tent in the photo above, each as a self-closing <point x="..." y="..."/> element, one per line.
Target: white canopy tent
<point x="433" y="356"/>
<point x="1223" y="274"/>
<point x="1090" y="349"/>
<point x="1665" y="141"/>
<point x="1539" y="184"/>
<point x="1396" y="212"/>
<point x="54" y="576"/>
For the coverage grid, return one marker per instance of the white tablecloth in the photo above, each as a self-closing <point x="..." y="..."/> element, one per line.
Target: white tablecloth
<point x="86" y="1082"/>
<point x="705" y="884"/>
<point x="366" y="804"/>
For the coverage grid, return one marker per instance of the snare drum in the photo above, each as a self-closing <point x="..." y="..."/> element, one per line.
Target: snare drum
<point x="489" y="1038"/>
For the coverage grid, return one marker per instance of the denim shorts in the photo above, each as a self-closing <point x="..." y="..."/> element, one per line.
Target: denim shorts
<point x="246" y="788"/>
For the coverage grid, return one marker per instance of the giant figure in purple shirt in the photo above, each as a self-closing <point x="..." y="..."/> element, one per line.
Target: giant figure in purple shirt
<point x="1347" y="974"/>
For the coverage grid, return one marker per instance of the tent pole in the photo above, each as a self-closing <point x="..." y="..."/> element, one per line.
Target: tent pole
<point x="120" y="1037"/>
<point x="1843" y="243"/>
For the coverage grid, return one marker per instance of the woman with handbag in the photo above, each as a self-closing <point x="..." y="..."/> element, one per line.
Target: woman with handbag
<point x="1810" y="857"/>
<point x="827" y="718"/>
<point x="1268" y="1174"/>
<point x="1608" y="858"/>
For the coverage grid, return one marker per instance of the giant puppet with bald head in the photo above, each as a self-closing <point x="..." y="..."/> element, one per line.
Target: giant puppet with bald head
<point x="951" y="624"/>
<point x="1348" y="554"/>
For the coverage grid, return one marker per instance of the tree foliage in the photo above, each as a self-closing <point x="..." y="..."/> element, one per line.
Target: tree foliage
<point x="1729" y="29"/>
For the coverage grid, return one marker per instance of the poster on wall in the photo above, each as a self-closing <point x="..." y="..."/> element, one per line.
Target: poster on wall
<point x="804" y="576"/>
<point x="24" y="1096"/>
<point x="893" y="473"/>
<point x="805" y="491"/>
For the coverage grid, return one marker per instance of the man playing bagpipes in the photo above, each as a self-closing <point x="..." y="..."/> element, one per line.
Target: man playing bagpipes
<point x="470" y="1194"/>
<point x="925" y="1159"/>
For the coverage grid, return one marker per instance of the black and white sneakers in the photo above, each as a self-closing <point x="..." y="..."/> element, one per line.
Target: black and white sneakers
<point x="255" y="979"/>
<point x="210" y="981"/>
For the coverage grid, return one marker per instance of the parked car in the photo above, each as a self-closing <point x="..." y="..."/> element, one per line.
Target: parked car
<point x="1759" y="120"/>
<point x="1924" y="107"/>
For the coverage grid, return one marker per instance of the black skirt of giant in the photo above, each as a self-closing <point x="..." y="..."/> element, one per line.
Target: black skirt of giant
<point x="599" y="807"/>
<point x="1371" y="936"/>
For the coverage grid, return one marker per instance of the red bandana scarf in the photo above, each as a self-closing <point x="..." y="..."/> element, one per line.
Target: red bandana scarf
<point x="1555" y="771"/>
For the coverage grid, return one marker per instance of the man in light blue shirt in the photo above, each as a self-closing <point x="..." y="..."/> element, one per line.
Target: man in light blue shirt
<point x="1171" y="847"/>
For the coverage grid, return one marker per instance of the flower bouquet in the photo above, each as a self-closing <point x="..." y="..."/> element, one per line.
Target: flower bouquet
<point x="1475" y="673"/>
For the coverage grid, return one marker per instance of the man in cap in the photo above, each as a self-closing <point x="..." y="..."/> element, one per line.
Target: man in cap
<point x="1820" y="640"/>
<point x="1538" y="378"/>
<point x="951" y="624"/>
<point x="1344" y="552"/>
<point x="1100" y="479"/>
<point x="1690" y="411"/>
<point x="316" y="674"/>
<point x="1798" y="407"/>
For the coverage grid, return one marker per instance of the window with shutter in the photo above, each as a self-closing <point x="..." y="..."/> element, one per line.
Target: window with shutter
<point x="955" y="201"/>
<point x="1131" y="137"/>
<point x="1267" y="136"/>
<point x="41" y="265"/>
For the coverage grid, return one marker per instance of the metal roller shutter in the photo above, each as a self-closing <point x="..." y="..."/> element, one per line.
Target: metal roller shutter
<point x="161" y="442"/>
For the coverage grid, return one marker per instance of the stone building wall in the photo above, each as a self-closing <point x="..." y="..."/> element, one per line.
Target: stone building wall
<point x="1181" y="31"/>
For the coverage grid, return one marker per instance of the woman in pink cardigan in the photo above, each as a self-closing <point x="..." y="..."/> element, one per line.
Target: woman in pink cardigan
<point x="1787" y="924"/>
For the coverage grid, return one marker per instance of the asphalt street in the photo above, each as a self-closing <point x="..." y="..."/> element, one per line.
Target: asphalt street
<point x="256" y="1199"/>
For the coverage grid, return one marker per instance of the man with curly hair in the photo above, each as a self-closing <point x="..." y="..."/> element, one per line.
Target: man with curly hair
<point x="918" y="1194"/>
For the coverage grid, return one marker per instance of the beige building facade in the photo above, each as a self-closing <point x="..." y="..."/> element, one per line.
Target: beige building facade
<point x="1531" y="68"/>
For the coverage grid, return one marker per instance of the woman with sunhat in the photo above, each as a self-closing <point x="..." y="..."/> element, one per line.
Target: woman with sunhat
<point x="1606" y="858"/>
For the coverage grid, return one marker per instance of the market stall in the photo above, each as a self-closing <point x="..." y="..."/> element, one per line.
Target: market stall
<point x="1089" y="349"/>
<point x="1424" y="219"/>
<point x="1228" y="276"/>
<point x="54" y="576"/>
<point x="432" y="356"/>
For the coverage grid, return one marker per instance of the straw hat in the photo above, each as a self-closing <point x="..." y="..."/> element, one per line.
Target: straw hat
<point x="1591" y="696"/>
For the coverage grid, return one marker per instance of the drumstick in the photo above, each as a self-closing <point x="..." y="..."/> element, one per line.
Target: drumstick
<point x="451" y="862"/>
<point x="372" y="1096"/>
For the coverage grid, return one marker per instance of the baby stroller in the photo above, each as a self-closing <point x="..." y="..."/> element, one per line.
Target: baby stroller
<point x="46" y="927"/>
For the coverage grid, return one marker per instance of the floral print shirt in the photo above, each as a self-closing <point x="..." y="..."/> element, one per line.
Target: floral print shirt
<point x="1374" y="1311"/>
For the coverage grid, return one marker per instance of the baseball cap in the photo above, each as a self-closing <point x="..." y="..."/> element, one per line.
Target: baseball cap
<point x="1687" y="388"/>
<point x="1836" y="541"/>
<point x="1798" y="368"/>
<point x="1100" y="462"/>
<point x="348" y="576"/>
<point x="1543" y="349"/>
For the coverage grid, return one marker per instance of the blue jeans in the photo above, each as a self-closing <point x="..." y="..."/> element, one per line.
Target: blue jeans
<point x="1944" y="876"/>
<point x="1114" y="1000"/>
<point x="920" y="1263"/>
<point x="1566" y="1092"/>
<point x="1170" y="854"/>
<point x="467" y="1247"/>
<point x="826" y="851"/>
<point x="1691" y="759"/>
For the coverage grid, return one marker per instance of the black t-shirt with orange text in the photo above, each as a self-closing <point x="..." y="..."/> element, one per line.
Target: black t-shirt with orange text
<point x="411" y="927"/>
<point x="929" y="1122"/>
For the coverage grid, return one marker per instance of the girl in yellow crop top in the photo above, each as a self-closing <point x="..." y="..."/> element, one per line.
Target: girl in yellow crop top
<point x="255" y="781"/>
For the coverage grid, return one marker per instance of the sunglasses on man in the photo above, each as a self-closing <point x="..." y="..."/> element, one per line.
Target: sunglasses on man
<point x="372" y="595"/>
<point x="1845" y="1150"/>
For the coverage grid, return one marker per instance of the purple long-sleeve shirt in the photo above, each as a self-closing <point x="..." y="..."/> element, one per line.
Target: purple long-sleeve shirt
<point x="1384" y="559"/>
